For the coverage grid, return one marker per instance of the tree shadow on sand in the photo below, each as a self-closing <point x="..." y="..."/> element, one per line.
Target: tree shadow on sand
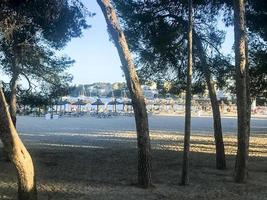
<point x="110" y="173"/>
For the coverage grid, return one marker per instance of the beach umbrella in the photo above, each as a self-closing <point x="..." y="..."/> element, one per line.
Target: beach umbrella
<point x="127" y="103"/>
<point x="80" y="103"/>
<point x="114" y="103"/>
<point x="98" y="103"/>
<point x="62" y="103"/>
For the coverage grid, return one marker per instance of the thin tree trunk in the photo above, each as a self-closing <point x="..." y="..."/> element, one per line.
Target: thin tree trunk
<point x="18" y="154"/>
<point x="220" y="152"/>
<point x="217" y="124"/>
<point x="218" y="136"/>
<point x="249" y="101"/>
<point x="13" y="98"/>
<point x="143" y="139"/>
<point x="12" y="108"/>
<point x="185" y="165"/>
<point x="241" y="91"/>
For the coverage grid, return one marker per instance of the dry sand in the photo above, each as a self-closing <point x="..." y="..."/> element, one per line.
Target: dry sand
<point x="70" y="172"/>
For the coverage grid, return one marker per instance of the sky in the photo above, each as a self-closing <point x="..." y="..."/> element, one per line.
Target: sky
<point x="96" y="58"/>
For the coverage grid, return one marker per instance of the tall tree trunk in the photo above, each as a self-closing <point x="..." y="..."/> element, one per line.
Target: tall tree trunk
<point x="220" y="152"/>
<point x="249" y="100"/>
<point x="219" y="144"/>
<point x="217" y="124"/>
<point x="12" y="104"/>
<point x="141" y="119"/>
<point x="18" y="154"/>
<point x="241" y="91"/>
<point x="13" y="98"/>
<point x="185" y="165"/>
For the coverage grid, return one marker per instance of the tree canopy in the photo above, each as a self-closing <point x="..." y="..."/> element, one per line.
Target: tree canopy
<point x="31" y="31"/>
<point x="156" y="31"/>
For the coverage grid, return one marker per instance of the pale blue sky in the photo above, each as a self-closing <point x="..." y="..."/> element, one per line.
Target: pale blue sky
<point x="96" y="57"/>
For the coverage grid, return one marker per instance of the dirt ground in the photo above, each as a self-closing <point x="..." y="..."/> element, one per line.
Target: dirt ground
<point x="70" y="172"/>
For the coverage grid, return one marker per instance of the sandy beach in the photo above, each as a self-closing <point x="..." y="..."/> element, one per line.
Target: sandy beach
<point x="93" y="159"/>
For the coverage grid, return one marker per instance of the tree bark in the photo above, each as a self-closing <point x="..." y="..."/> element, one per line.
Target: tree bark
<point x="217" y="124"/>
<point x="18" y="154"/>
<point x="12" y="108"/>
<point x="220" y="151"/>
<point x="242" y="91"/>
<point x="141" y="119"/>
<point x="13" y="98"/>
<point x="185" y="164"/>
<point x="249" y="100"/>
